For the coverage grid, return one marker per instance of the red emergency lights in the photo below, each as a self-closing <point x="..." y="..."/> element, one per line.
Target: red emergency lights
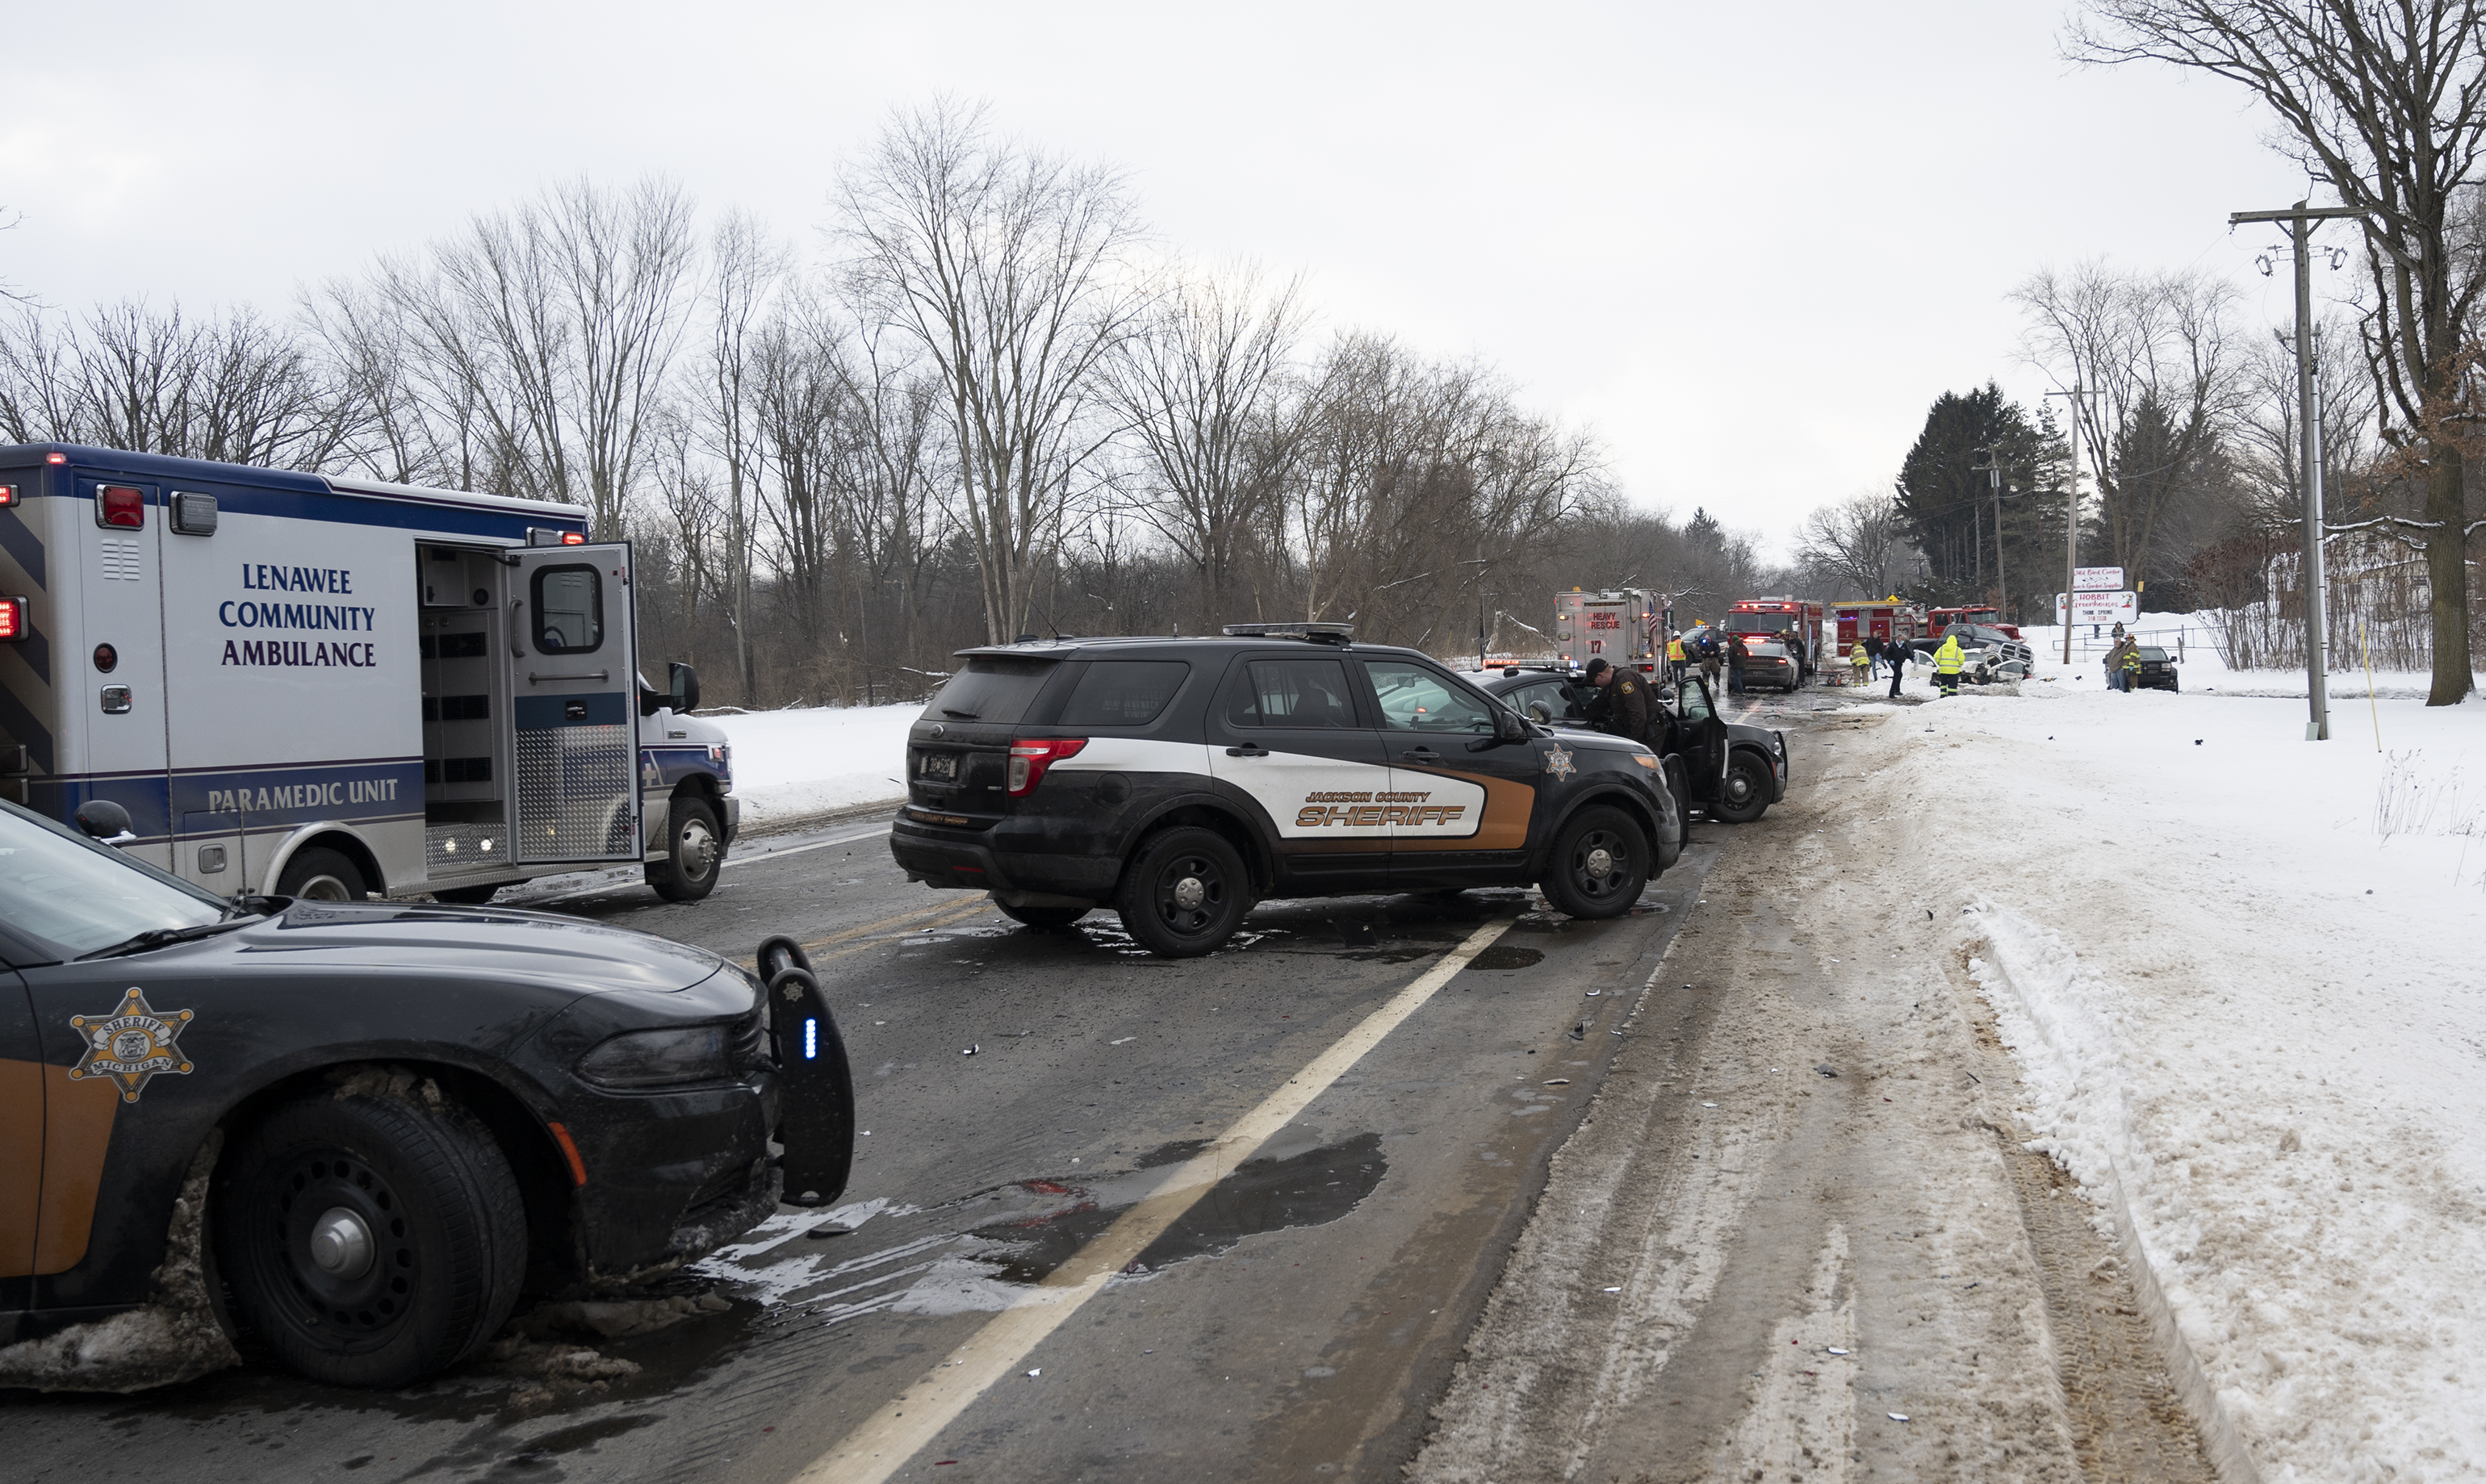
<point x="572" y="538"/>
<point x="119" y="507"/>
<point x="56" y="458"/>
<point x="12" y="620"/>
<point x="7" y="495"/>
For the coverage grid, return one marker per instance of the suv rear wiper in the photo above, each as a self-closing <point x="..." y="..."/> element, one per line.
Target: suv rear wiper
<point x="164" y="937"/>
<point x="964" y="715"/>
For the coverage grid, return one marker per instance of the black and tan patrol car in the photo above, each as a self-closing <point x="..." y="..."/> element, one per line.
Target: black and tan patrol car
<point x="1180" y="780"/>
<point x="389" y="1120"/>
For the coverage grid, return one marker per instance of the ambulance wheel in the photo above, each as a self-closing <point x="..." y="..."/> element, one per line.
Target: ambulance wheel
<point x="1184" y="893"/>
<point x="1744" y="795"/>
<point x="1043" y="917"/>
<point x="1600" y="863"/>
<point x="694" y="849"/>
<point x="467" y="896"/>
<point x="321" y="875"/>
<point x="369" y="1240"/>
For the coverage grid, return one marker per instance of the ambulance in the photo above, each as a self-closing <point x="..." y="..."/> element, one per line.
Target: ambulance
<point x="306" y="685"/>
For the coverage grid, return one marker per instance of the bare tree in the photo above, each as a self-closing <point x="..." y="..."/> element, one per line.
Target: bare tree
<point x="744" y="271"/>
<point x="546" y="335"/>
<point x="1203" y="390"/>
<point x="234" y="388"/>
<point x="2158" y="350"/>
<point x="2385" y="103"/>
<point x="1008" y="269"/>
<point x="1856" y="546"/>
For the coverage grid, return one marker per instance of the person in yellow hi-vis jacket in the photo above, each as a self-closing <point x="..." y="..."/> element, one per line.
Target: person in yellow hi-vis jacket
<point x="1675" y="655"/>
<point x="1946" y="663"/>
<point x="1862" y="662"/>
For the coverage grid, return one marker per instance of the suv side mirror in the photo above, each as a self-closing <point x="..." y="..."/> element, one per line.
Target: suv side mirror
<point x="1540" y="713"/>
<point x="683" y="681"/>
<point x="103" y="820"/>
<point x="1507" y="727"/>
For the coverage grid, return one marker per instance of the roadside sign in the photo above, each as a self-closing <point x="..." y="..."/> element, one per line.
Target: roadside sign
<point x="2097" y="579"/>
<point x="2122" y="608"/>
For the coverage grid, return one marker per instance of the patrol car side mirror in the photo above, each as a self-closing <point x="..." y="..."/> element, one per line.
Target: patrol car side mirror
<point x="1509" y="728"/>
<point x="1540" y="713"/>
<point x="103" y="820"/>
<point x="685" y="684"/>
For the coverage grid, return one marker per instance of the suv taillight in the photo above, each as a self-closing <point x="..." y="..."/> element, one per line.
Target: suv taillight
<point x="1028" y="762"/>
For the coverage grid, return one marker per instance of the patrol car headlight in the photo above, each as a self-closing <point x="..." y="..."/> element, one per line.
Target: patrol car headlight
<point x="1647" y="761"/>
<point x="655" y="1058"/>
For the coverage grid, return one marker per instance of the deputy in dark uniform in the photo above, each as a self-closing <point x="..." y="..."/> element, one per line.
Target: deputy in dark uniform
<point x="1625" y="705"/>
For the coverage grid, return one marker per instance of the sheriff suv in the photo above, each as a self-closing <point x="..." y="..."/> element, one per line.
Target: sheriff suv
<point x="1180" y="781"/>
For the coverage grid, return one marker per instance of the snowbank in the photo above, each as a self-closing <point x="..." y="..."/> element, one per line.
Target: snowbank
<point x="791" y="763"/>
<point x="2253" y="1026"/>
<point x="2202" y="669"/>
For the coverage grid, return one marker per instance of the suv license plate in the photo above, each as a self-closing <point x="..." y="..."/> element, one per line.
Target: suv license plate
<point x="941" y="766"/>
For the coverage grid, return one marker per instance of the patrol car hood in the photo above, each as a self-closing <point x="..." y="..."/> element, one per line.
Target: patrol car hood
<point x="395" y="941"/>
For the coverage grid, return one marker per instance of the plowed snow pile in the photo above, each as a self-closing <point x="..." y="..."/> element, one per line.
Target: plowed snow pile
<point x="791" y="763"/>
<point x="2245" y="977"/>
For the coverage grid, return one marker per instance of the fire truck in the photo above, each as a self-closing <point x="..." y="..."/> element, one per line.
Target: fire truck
<point x="1789" y="620"/>
<point x="1884" y="619"/>
<point x="1625" y="628"/>
<point x="1986" y="613"/>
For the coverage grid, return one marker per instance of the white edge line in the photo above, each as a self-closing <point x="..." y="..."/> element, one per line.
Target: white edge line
<point x="882" y="1443"/>
<point x="731" y="861"/>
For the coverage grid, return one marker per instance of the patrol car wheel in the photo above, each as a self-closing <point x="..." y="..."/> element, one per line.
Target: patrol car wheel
<point x="1184" y="893"/>
<point x="694" y="849"/>
<point x="321" y="875"/>
<point x="1745" y="793"/>
<point x="369" y="1241"/>
<point x="1600" y="863"/>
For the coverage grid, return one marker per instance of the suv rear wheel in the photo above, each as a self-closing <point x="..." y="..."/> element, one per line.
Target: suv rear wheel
<point x="1600" y="863"/>
<point x="1184" y="892"/>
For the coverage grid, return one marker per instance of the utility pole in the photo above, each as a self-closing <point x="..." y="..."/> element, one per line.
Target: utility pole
<point x="2300" y="220"/>
<point x="2074" y="400"/>
<point x="1990" y="466"/>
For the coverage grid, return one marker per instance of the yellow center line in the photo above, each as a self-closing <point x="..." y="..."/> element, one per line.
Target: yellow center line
<point x="900" y="1429"/>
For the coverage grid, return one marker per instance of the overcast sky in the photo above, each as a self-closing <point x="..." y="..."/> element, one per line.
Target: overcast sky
<point x="1747" y="244"/>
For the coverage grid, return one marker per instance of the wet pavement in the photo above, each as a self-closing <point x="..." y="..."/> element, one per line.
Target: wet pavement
<point x="1020" y="1088"/>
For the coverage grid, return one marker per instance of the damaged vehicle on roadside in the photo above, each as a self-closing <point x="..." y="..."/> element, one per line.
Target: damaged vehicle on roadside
<point x="1731" y="771"/>
<point x="346" y="1137"/>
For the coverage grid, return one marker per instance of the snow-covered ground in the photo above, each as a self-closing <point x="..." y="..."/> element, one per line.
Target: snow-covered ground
<point x="2196" y="642"/>
<point x="787" y="764"/>
<point x="2245" y="978"/>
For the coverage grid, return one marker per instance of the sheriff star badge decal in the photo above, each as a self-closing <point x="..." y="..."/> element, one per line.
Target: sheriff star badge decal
<point x="131" y="1044"/>
<point x="1558" y="760"/>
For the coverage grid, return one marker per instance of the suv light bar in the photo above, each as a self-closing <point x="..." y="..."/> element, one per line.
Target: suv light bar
<point x="1317" y="633"/>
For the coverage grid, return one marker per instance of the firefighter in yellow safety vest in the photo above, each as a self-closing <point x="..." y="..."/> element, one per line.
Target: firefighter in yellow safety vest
<point x="1862" y="661"/>
<point x="1946" y="663"/>
<point x="1674" y="655"/>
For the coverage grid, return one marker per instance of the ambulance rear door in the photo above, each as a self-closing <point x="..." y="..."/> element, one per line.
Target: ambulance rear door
<point x="118" y="689"/>
<point x="573" y="680"/>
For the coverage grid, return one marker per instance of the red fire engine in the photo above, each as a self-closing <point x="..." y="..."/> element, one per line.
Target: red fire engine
<point x="1883" y="618"/>
<point x="1941" y="619"/>
<point x="1783" y="619"/>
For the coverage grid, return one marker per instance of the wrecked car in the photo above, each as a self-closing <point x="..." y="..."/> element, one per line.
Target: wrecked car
<point x="348" y="1136"/>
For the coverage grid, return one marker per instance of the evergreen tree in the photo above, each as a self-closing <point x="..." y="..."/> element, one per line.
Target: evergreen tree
<point x="1948" y="505"/>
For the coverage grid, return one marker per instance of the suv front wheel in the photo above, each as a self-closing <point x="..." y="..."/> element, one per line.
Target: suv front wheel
<point x="1600" y="863"/>
<point x="1184" y="893"/>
